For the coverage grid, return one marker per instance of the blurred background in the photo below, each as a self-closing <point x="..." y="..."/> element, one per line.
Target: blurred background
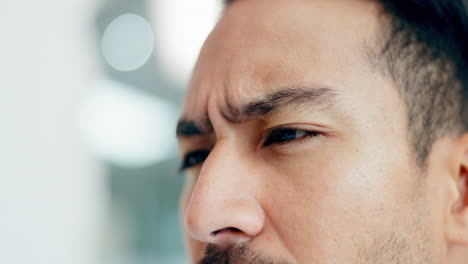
<point x="89" y="97"/>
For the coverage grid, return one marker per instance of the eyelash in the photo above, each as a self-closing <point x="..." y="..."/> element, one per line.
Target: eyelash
<point x="197" y="157"/>
<point x="194" y="158"/>
<point x="274" y="136"/>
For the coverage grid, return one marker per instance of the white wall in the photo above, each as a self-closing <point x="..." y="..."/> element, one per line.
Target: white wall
<point x="51" y="191"/>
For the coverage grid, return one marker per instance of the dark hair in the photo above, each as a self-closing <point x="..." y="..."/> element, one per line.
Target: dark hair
<point x="423" y="48"/>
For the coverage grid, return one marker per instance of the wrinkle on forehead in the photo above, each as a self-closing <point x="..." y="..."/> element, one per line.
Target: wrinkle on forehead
<point x="249" y="51"/>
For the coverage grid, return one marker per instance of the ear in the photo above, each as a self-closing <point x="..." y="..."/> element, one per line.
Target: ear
<point x="457" y="229"/>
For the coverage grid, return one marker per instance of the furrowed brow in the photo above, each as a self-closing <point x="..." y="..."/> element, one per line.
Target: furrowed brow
<point x="187" y="128"/>
<point x="297" y="96"/>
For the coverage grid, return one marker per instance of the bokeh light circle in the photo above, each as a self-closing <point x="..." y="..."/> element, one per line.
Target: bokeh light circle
<point x="127" y="42"/>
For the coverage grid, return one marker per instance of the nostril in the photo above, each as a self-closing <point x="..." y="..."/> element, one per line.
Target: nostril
<point x="226" y="230"/>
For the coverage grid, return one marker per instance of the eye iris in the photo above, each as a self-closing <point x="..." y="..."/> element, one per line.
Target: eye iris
<point x="283" y="135"/>
<point x="287" y="135"/>
<point x="195" y="158"/>
<point x="198" y="157"/>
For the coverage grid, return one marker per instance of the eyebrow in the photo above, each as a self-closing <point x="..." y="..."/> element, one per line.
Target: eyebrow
<point x="298" y="96"/>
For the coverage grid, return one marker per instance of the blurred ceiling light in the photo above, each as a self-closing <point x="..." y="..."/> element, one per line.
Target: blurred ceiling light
<point x="127" y="42"/>
<point x="181" y="27"/>
<point x="122" y="125"/>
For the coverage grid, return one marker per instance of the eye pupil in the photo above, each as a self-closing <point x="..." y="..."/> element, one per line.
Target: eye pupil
<point x="276" y="136"/>
<point x="288" y="135"/>
<point x="194" y="158"/>
<point x="283" y="135"/>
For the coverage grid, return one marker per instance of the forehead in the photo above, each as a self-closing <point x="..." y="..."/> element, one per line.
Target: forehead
<point x="262" y="44"/>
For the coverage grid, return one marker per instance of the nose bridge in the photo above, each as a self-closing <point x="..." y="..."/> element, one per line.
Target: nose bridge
<point x="226" y="165"/>
<point x="223" y="206"/>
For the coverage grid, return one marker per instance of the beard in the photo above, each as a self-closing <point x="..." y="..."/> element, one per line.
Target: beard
<point x="407" y="244"/>
<point x="392" y="248"/>
<point x="406" y="241"/>
<point x="235" y="254"/>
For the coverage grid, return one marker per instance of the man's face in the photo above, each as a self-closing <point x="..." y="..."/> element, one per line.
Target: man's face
<point x="297" y="148"/>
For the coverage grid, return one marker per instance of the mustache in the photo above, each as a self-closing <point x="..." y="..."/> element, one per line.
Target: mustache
<point x="234" y="254"/>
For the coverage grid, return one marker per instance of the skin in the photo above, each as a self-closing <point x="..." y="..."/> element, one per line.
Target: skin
<point x="353" y="194"/>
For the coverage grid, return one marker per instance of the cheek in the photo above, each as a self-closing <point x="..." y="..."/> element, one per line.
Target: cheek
<point x="338" y="203"/>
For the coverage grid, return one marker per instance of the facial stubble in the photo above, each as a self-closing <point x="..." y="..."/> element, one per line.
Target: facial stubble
<point x="408" y="242"/>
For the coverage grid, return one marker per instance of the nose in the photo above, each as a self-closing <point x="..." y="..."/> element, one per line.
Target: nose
<point x="223" y="208"/>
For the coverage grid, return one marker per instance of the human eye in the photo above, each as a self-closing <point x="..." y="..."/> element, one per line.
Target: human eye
<point x="285" y="135"/>
<point x="194" y="158"/>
